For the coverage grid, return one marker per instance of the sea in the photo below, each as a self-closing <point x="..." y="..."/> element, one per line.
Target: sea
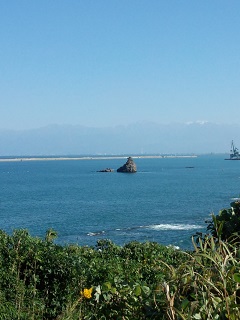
<point x="167" y="201"/>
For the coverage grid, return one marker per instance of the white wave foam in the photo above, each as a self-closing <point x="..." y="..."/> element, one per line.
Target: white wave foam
<point x="152" y="227"/>
<point x="174" y="227"/>
<point x="92" y="234"/>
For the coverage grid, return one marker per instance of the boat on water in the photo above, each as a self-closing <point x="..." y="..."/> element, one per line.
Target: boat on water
<point x="234" y="153"/>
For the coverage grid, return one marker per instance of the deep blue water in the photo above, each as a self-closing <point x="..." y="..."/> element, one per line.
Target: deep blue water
<point x="165" y="201"/>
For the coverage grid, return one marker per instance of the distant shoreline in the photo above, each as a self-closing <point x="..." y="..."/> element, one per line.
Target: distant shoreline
<point x="19" y="159"/>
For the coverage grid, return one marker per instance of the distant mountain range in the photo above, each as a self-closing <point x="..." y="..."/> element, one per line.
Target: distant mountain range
<point x="137" y="138"/>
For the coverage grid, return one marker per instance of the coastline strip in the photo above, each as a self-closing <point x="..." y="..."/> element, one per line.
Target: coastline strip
<point x="91" y="158"/>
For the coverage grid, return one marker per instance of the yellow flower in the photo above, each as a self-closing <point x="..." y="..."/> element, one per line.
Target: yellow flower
<point x="87" y="293"/>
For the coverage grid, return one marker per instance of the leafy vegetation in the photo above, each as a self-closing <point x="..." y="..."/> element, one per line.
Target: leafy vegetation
<point x="226" y="225"/>
<point x="42" y="280"/>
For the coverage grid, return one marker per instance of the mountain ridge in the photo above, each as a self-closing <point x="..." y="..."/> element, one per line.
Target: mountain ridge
<point x="136" y="138"/>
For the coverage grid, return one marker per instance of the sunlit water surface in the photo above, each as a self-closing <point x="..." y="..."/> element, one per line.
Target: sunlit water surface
<point x="167" y="200"/>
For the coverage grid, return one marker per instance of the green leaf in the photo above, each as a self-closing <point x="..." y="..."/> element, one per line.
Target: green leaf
<point x="106" y="286"/>
<point x="185" y="303"/>
<point x="236" y="277"/>
<point x="113" y="290"/>
<point x="146" y="290"/>
<point x="107" y="296"/>
<point x="137" y="291"/>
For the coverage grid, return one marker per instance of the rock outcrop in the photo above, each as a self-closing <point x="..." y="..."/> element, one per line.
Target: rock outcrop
<point x="106" y="170"/>
<point x="128" y="167"/>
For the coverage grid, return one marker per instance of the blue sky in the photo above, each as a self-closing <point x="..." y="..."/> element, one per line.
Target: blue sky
<point x="107" y="62"/>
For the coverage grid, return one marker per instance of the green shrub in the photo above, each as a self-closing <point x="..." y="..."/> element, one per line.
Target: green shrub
<point x="226" y="225"/>
<point x="42" y="280"/>
<point x="207" y="286"/>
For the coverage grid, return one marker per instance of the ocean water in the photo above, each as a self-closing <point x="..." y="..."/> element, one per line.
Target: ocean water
<point x="166" y="201"/>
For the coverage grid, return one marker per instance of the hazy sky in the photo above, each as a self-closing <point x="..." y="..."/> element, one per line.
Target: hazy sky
<point x="109" y="62"/>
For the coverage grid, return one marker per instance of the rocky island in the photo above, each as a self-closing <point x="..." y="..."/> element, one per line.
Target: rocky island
<point x="128" y="167"/>
<point x="106" y="170"/>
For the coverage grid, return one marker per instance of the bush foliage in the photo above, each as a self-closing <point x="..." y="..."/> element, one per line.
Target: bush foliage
<point x="42" y="280"/>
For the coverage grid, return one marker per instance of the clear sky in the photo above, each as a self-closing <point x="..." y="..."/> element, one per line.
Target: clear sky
<point x="109" y="62"/>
